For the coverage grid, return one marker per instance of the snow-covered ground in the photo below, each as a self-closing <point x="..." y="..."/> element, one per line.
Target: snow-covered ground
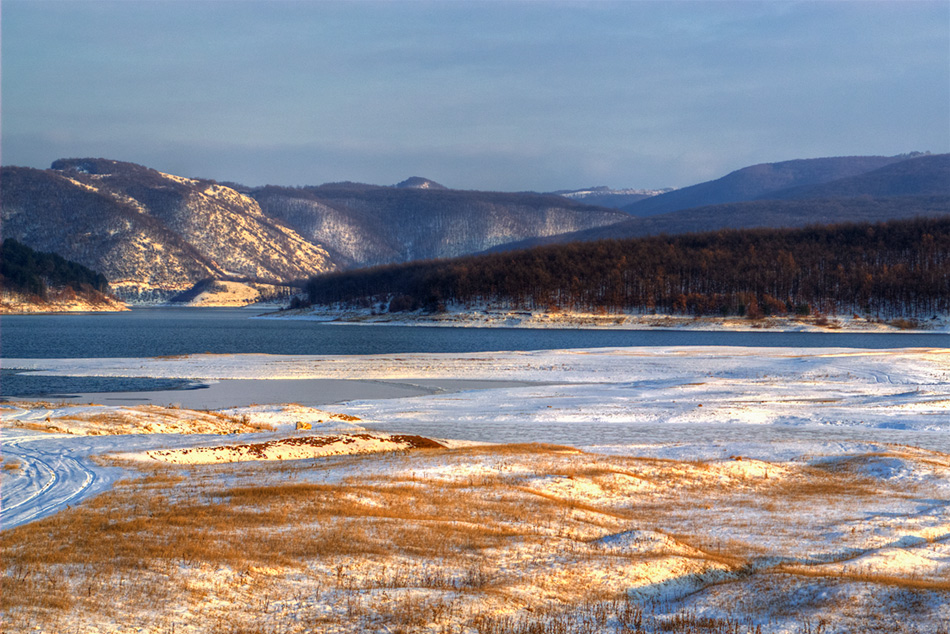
<point x="786" y="489"/>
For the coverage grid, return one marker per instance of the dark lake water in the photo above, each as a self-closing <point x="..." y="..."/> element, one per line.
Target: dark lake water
<point x="149" y="332"/>
<point x="15" y="384"/>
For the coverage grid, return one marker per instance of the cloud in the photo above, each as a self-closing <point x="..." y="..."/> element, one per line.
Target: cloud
<point x="488" y="95"/>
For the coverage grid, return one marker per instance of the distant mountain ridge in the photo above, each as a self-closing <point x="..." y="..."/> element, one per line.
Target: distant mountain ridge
<point x="417" y="182"/>
<point x="155" y="235"/>
<point x="906" y="188"/>
<point x="377" y="225"/>
<point x="604" y="196"/>
<point x="927" y="175"/>
<point x="757" y="181"/>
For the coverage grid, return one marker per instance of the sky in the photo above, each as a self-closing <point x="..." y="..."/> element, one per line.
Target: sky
<point x="491" y="95"/>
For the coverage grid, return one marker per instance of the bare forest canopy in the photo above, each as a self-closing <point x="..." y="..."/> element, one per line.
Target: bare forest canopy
<point x="885" y="270"/>
<point x="29" y="272"/>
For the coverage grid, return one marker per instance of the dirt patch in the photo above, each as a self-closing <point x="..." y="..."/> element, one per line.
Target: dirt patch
<point x="295" y="448"/>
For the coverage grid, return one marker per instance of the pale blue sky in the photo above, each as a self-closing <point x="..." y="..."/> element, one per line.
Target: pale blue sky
<point x="476" y="95"/>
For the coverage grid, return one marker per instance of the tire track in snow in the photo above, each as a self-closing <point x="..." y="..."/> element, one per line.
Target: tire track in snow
<point x="48" y="481"/>
<point x="56" y="471"/>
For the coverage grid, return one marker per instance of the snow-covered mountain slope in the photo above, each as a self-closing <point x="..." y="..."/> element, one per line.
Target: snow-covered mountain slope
<point x="154" y="235"/>
<point x="370" y="225"/>
<point x="151" y="234"/>
<point x="612" y="198"/>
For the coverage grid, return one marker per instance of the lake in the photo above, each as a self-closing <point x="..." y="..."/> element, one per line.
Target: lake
<point x="152" y="332"/>
<point x="149" y="332"/>
<point x="180" y="331"/>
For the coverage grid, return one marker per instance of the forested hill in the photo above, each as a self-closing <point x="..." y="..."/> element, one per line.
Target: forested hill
<point x="152" y="234"/>
<point x="156" y="235"/>
<point x="758" y="214"/>
<point x="29" y="272"/>
<point x="886" y="270"/>
<point x="363" y="225"/>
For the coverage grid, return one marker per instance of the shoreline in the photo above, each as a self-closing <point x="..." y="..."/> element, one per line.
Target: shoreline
<point x="244" y="392"/>
<point x="61" y="308"/>
<point x="500" y="318"/>
<point x="463" y="317"/>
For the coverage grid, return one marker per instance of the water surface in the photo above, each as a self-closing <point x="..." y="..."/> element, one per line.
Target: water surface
<point x="149" y="332"/>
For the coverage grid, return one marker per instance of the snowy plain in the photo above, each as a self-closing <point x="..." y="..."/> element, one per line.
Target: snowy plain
<point x="784" y="489"/>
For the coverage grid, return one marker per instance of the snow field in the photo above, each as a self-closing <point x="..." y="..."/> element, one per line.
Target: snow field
<point x="783" y="503"/>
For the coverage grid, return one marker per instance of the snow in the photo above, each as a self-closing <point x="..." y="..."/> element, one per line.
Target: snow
<point x="181" y="180"/>
<point x="904" y="390"/>
<point x="782" y="485"/>
<point x="501" y="315"/>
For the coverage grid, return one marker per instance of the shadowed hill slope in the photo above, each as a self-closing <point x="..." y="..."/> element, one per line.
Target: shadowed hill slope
<point x="757" y="181"/>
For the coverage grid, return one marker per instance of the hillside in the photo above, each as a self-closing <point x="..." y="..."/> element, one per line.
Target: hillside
<point x="757" y="181"/>
<point x="921" y="176"/>
<point x="755" y="215"/>
<point x="45" y="282"/>
<point x="603" y="196"/>
<point x="906" y="189"/>
<point x="896" y="269"/>
<point x="364" y="225"/>
<point x="157" y="235"/>
<point x="151" y="234"/>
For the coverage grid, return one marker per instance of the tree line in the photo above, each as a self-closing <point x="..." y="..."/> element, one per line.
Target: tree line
<point x="885" y="270"/>
<point x="30" y="272"/>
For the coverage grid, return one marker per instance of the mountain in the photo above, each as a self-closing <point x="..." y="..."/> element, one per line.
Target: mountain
<point x="417" y="182"/>
<point x="927" y="175"/>
<point x="913" y="187"/>
<point x="363" y="225"/>
<point x="157" y="235"/>
<point x="151" y="234"/>
<point x="761" y="214"/>
<point x="603" y="196"/>
<point x="758" y="181"/>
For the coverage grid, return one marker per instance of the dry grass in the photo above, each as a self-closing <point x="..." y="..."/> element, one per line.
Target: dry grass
<point x="908" y="582"/>
<point x="135" y="419"/>
<point x="507" y="541"/>
<point x="14" y="404"/>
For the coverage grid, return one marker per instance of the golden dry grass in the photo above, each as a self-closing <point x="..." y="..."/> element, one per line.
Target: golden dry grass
<point x="513" y="528"/>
